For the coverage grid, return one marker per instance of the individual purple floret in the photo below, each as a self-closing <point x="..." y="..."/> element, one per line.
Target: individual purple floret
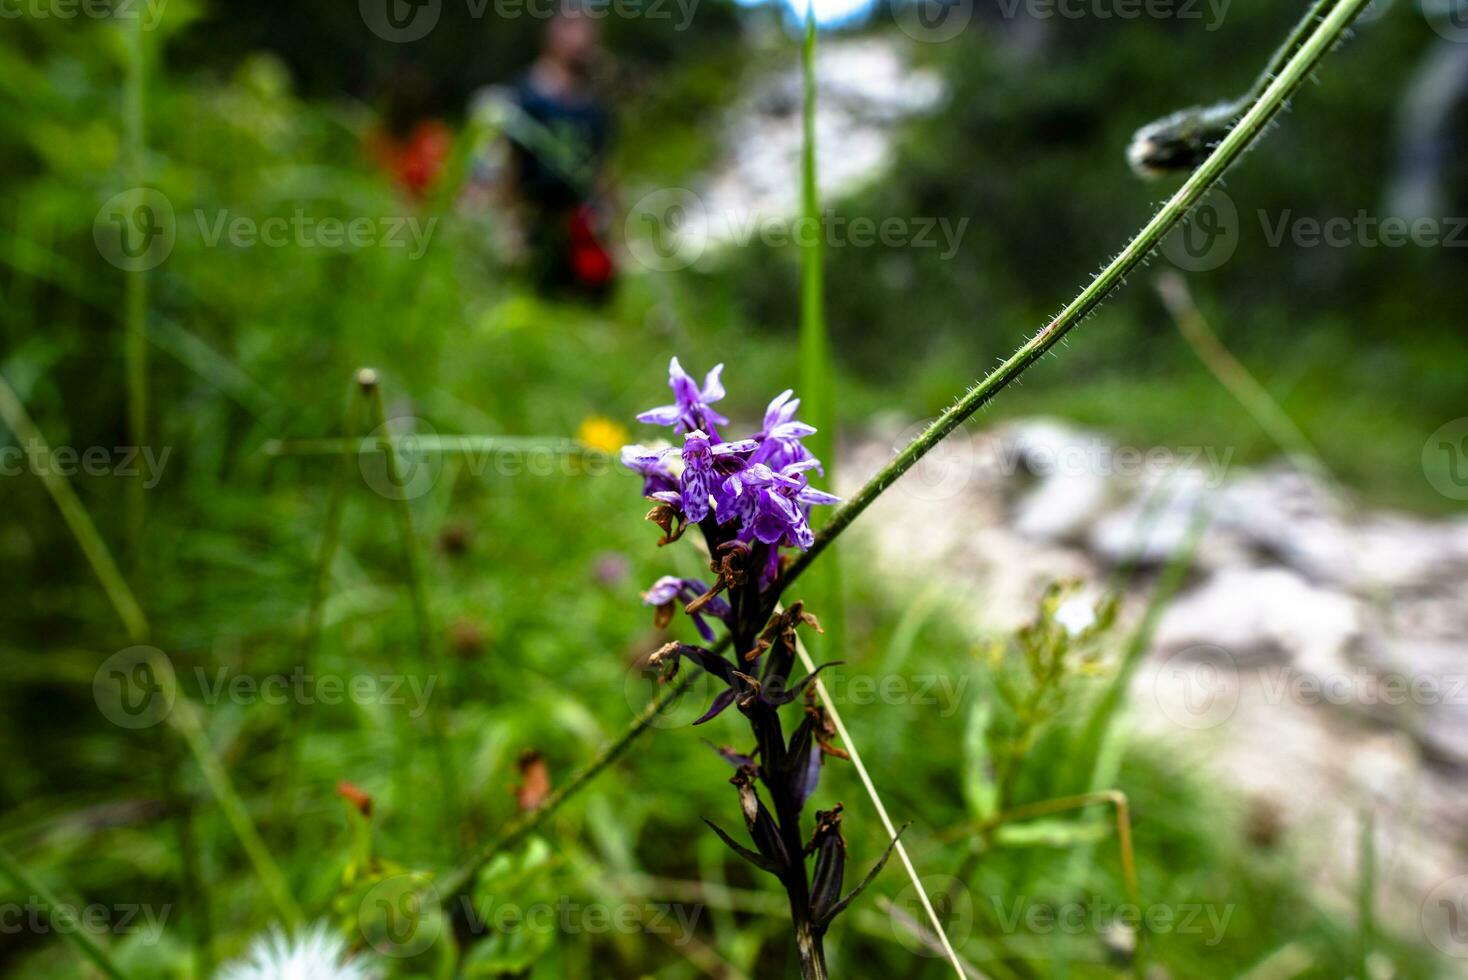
<point x="773" y="505"/>
<point x="659" y="482"/>
<point x="780" y="443"/>
<point x="691" y="409"/>
<point x="705" y="465"/>
<point x="669" y="590"/>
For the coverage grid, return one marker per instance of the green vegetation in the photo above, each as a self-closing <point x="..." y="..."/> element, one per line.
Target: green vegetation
<point x="500" y="602"/>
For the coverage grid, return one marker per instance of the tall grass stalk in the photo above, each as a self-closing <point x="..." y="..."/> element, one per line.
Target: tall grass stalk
<point x="817" y="372"/>
<point x="296" y="731"/>
<point x="428" y="653"/>
<point x="77" y="519"/>
<point x="136" y="287"/>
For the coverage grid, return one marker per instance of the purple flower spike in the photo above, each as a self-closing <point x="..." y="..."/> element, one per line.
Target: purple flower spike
<point x="691" y="410"/>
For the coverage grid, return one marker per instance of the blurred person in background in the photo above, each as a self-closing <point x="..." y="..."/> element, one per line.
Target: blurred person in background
<point x="550" y="178"/>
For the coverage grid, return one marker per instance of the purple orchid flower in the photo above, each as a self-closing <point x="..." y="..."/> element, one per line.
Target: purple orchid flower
<point x="705" y="464"/>
<point x="669" y="591"/>
<point x="780" y="443"/>
<point x="690" y="410"/>
<point x="658" y="479"/>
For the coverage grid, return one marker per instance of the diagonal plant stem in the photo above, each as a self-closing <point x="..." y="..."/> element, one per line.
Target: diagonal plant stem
<point x="119" y="593"/>
<point x="876" y="798"/>
<point x="186" y="722"/>
<point x="69" y="926"/>
<point x="456" y="881"/>
<point x="1232" y="374"/>
<point x="1327" y="33"/>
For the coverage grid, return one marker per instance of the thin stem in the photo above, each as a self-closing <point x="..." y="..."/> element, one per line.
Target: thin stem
<point x="418" y="590"/>
<point x="135" y="286"/>
<point x="1319" y="10"/>
<point x="525" y="824"/>
<point x="78" y="521"/>
<point x="320" y="587"/>
<point x="1240" y="138"/>
<point x="817" y="387"/>
<point x="67" y="923"/>
<point x="812" y="952"/>
<point x="462" y="445"/>
<point x="1232" y="374"/>
<point x="875" y="797"/>
<point x="187" y="724"/>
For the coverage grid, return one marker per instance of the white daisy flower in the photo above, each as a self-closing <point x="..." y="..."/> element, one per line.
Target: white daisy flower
<point x="314" y="953"/>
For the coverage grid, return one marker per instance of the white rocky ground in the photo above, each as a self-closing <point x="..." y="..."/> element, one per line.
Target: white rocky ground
<point x="1316" y="660"/>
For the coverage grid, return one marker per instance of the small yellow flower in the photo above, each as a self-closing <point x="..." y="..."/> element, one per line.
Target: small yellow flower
<point x="599" y="432"/>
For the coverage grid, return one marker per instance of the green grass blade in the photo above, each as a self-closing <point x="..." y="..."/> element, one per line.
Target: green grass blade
<point x="817" y="383"/>
<point x="67" y="923"/>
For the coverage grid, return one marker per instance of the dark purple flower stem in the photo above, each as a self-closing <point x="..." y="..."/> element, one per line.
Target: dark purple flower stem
<point x="750" y="612"/>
